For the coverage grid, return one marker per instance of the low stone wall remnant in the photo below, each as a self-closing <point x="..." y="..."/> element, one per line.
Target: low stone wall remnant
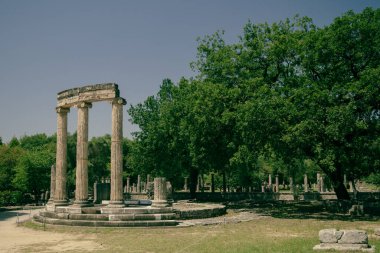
<point x="344" y="240"/>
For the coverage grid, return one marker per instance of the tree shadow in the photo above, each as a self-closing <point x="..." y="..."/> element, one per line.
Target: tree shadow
<point x="5" y="215"/>
<point x="299" y="210"/>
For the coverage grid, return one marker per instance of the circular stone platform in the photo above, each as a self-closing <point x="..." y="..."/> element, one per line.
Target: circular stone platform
<point x="131" y="216"/>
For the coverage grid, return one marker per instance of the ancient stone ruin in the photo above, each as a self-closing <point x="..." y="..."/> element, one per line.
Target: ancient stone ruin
<point x="82" y="98"/>
<point x="115" y="213"/>
<point x="344" y="240"/>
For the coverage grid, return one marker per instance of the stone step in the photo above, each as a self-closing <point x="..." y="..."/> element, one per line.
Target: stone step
<point x="110" y="210"/>
<point x="103" y="223"/>
<point x="106" y="217"/>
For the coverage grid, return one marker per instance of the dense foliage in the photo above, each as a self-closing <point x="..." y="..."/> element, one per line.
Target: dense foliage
<point x="288" y="95"/>
<point x="25" y="165"/>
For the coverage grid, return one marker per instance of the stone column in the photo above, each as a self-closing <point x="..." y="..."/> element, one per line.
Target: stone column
<point x="134" y="188"/>
<point x="277" y="184"/>
<point x="52" y="183"/>
<point x="81" y="180"/>
<point x="291" y="184"/>
<point x="60" y="194"/>
<point x="160" y="193"/>
<point x="138" y="183"/>
<point x="270" y="180"/>
<point x="147" y="182"/>
<point x="321" y="179"/>
<point x="305" y="184"/>
<point x="185" y="185"/>
<point x="319" y="182"/>
<point x="351" y="186"/>
<point x="212" y="182"/>
<point x="128" y="184"/>
<point x="117" y="199"/>
<point x="95" y="192"/>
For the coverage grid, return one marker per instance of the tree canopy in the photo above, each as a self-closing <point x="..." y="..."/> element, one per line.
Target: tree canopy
<point x="286" y="92"/>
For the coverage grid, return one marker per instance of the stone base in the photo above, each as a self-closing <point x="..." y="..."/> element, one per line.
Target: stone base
<point x="61" y="202"/>
<point x="50" y="207"/>
<point x="344" y="247"/>
<point x="160" y="203"/>
<point x="74" y="209"/>
<point x="133" y="216"/>
<point x="116" y="204"/>
<point x="136" y="210"/>
<point x="82" y="203"/>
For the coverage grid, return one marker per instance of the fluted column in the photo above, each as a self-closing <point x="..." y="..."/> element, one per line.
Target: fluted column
<point x="160" y="193"/>
<point x="128" y="184"/>
<point x="277" y="184"/>
<point x="52" y="184"/>
<point x="305" y="184"/>
<point x="116" y="198"/>
<point x="81" y="179"/>
<point x="138" y="183"/>
<point x="60" y="194"/>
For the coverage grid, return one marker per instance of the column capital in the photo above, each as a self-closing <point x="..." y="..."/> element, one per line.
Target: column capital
<point x="62" y="109"/>
<point x="84" y="105"/>
<point x="120" y="101"/>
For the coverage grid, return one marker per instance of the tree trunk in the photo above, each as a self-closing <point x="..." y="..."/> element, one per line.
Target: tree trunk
<point x="341" y="192"/>
<point x="337" y="179"/>
<point x="340" y="189"/>
<point x="193" y="182"/>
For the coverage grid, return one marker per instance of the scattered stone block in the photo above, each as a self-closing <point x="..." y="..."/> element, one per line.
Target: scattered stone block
<point x="354" y="237"/>
<point x="343" y="240"/>
<point x="377" y="231"/>
<point x="329" y="235"/>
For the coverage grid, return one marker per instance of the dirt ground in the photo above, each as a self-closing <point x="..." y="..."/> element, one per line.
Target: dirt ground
<point x="17" y="238"/>
<point x="14" y="238"/>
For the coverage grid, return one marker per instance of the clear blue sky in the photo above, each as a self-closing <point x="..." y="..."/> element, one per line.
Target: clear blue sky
<point x="49" y="46"/>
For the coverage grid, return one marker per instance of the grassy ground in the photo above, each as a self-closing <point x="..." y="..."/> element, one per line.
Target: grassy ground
<point x="274" y="232"/>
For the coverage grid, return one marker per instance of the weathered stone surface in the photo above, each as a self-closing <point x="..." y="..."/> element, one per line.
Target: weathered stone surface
<point x="329" y="236"/>
<point x="90" y="93"/>
<point x="60" y="195"/>
<point x="117" y="198"/>
<point x="347" y="240"/>
<point x="160" y="193"/>
<point x="377" y="231"/>
<point x="344" y="247"/>
<point x="354" y="237"/>
<point x="81" y="179"/>
<point x="52" y="184"/>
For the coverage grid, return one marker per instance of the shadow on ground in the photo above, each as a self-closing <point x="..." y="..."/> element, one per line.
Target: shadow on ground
<point x="10" y="214"/>
<point x="298" y="210"/>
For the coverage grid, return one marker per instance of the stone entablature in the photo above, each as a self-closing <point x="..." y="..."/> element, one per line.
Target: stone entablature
<point x="90" y="93"/>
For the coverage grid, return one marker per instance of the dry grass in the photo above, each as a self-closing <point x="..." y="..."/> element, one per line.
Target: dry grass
<point x="268" y="234"/>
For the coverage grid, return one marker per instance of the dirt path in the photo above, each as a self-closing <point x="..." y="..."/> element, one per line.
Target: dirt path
<point x="15" y="238"/>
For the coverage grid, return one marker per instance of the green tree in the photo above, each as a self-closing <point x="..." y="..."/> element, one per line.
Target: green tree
<point x="38" y="142"/>
<point x="99" y="156"/>
<point x="336" y="121"/>
<point x="9" y="157"/>
<point x="32" y="174"/>
<point x="304" y="92"/>
<point x="14" y="142"/>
